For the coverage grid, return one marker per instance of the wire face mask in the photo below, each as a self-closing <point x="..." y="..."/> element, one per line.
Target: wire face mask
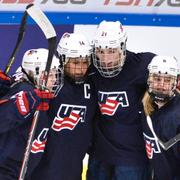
<point x="76" y="69"/>
<point x="55" y="80"/>
<point x="75" y="54"/>
<point x="109" y="62"/>
<point x="162" y="79"/>
<point x="161" y="86"/>
<point x="109" y="48"/>
<point x="33" y="66"/>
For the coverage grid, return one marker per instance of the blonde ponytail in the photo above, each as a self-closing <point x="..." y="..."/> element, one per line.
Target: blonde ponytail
<point x="148" y="104"/>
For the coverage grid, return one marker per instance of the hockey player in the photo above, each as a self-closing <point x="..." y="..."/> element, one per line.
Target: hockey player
<point x="120" y="82"/>
<point x="161" y="105"/>
<point x="16" y="114"/>
<point x="72" y="113"/>
<point x="5" y="82"/>
<point x="178" y="84"/>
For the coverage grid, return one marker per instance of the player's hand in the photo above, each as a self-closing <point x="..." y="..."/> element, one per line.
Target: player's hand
<point x="4" y="77"/>
<point x="5" y="82"/>
<point x="30" y="101"/>
<point x="45" y="97"/>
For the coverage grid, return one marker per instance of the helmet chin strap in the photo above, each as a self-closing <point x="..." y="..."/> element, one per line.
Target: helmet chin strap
<point x="160" y="99"/>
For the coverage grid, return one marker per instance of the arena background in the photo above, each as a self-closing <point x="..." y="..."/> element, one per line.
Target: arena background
<point x="152" y="25"/>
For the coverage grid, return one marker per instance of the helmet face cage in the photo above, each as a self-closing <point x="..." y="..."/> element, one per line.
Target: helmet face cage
<point x="161" y="86"/>
<point x="75" y="52"/>
<point x="54" y="81"/>
<point x="162" y="80"/>
<point x="34" y="63"/>
<point x="109" y="61"/>
<point x="109" y="48"/>
<point x="76" y="68"/>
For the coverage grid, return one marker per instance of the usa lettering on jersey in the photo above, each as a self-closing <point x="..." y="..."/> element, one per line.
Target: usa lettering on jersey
<point x="68" y="116"/>
<point x="152" y="146"/>
<point x="110" y="101"/>
<point x="39" y="144"/>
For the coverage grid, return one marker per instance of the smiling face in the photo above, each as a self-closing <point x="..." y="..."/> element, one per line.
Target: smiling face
<point x="162" y="83"/>
<point x="53" y="80"/>
<point x="161" y="86"/>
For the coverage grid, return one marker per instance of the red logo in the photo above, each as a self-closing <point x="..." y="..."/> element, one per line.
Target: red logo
<point x="39" y="144"/>
<point x="154" y="3"/>
<point x="152" y="146"/>
<point x="18" y="1"/>
<point x="110" y="101"/>
<point x="68" y="117"/>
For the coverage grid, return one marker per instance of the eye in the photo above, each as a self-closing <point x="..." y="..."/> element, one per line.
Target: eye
<point x="76" y="62"/>
<point x="167" y="80"/>
<point x="156" y="78"/>
<point x="101" y="52"/>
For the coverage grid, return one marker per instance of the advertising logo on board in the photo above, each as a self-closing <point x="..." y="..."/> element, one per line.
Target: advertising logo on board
<point x="152" y="3"/>
<point x="105" y="6"/>
<point x="43" y="1"/>
<point x="155" y="3"/>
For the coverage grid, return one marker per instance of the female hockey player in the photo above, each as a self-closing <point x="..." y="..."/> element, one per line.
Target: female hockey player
<point x="16" y="114"/>
<point x="161" y="105"/>
<point x="5" y="82"/>
<point x="72" y="113"/>
<point x="120" y="82"/>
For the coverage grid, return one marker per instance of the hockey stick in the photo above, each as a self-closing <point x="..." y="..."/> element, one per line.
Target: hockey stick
<point x="164" y="145"/>
<point x="39" y="17"/>
<point x="18" y="42"/>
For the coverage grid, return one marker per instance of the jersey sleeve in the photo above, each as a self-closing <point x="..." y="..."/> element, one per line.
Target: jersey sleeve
<point x="14" y="112"/>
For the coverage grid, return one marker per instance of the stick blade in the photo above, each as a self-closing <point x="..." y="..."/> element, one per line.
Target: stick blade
<point x="43" y="22"/>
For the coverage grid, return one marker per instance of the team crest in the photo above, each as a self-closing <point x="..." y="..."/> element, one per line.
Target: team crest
<point x="39" y="144"/>
<point x="152" y="146"/>
<point x="110" y="101"/>
<point x="68" y="117"/>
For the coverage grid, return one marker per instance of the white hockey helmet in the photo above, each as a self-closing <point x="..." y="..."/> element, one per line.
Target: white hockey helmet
<point x="110" y="35"/>
<point x="74" y="45"/>
<point x="167" y="68"/>
<point x="34" y="64"/>
<point x="164" y="65"/>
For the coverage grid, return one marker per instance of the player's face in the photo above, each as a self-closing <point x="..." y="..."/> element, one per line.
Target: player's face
<point x="162" y="83"/>
<point x="108" y="58"/>
<point x="52" y="79"/>
<point x="76" y="68"/>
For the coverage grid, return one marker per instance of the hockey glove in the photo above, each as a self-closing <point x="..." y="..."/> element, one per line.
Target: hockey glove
<point x="45" y="97"/>
<point x="5" y="83"/>
<point x="28" y="102"/>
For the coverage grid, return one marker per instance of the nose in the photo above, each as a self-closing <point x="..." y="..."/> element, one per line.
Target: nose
<point x="161" y="81"/>
<point x="107" y="61"/>
<point x="160" y="84"/>
<point x="81" y="69"/>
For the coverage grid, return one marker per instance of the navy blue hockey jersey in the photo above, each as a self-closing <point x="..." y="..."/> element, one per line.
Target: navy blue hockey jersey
<point x="14" y="130"/>
<point x="72" y="113"/>
<point x="119" y="138"/>
<point x="166" y="124"/>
